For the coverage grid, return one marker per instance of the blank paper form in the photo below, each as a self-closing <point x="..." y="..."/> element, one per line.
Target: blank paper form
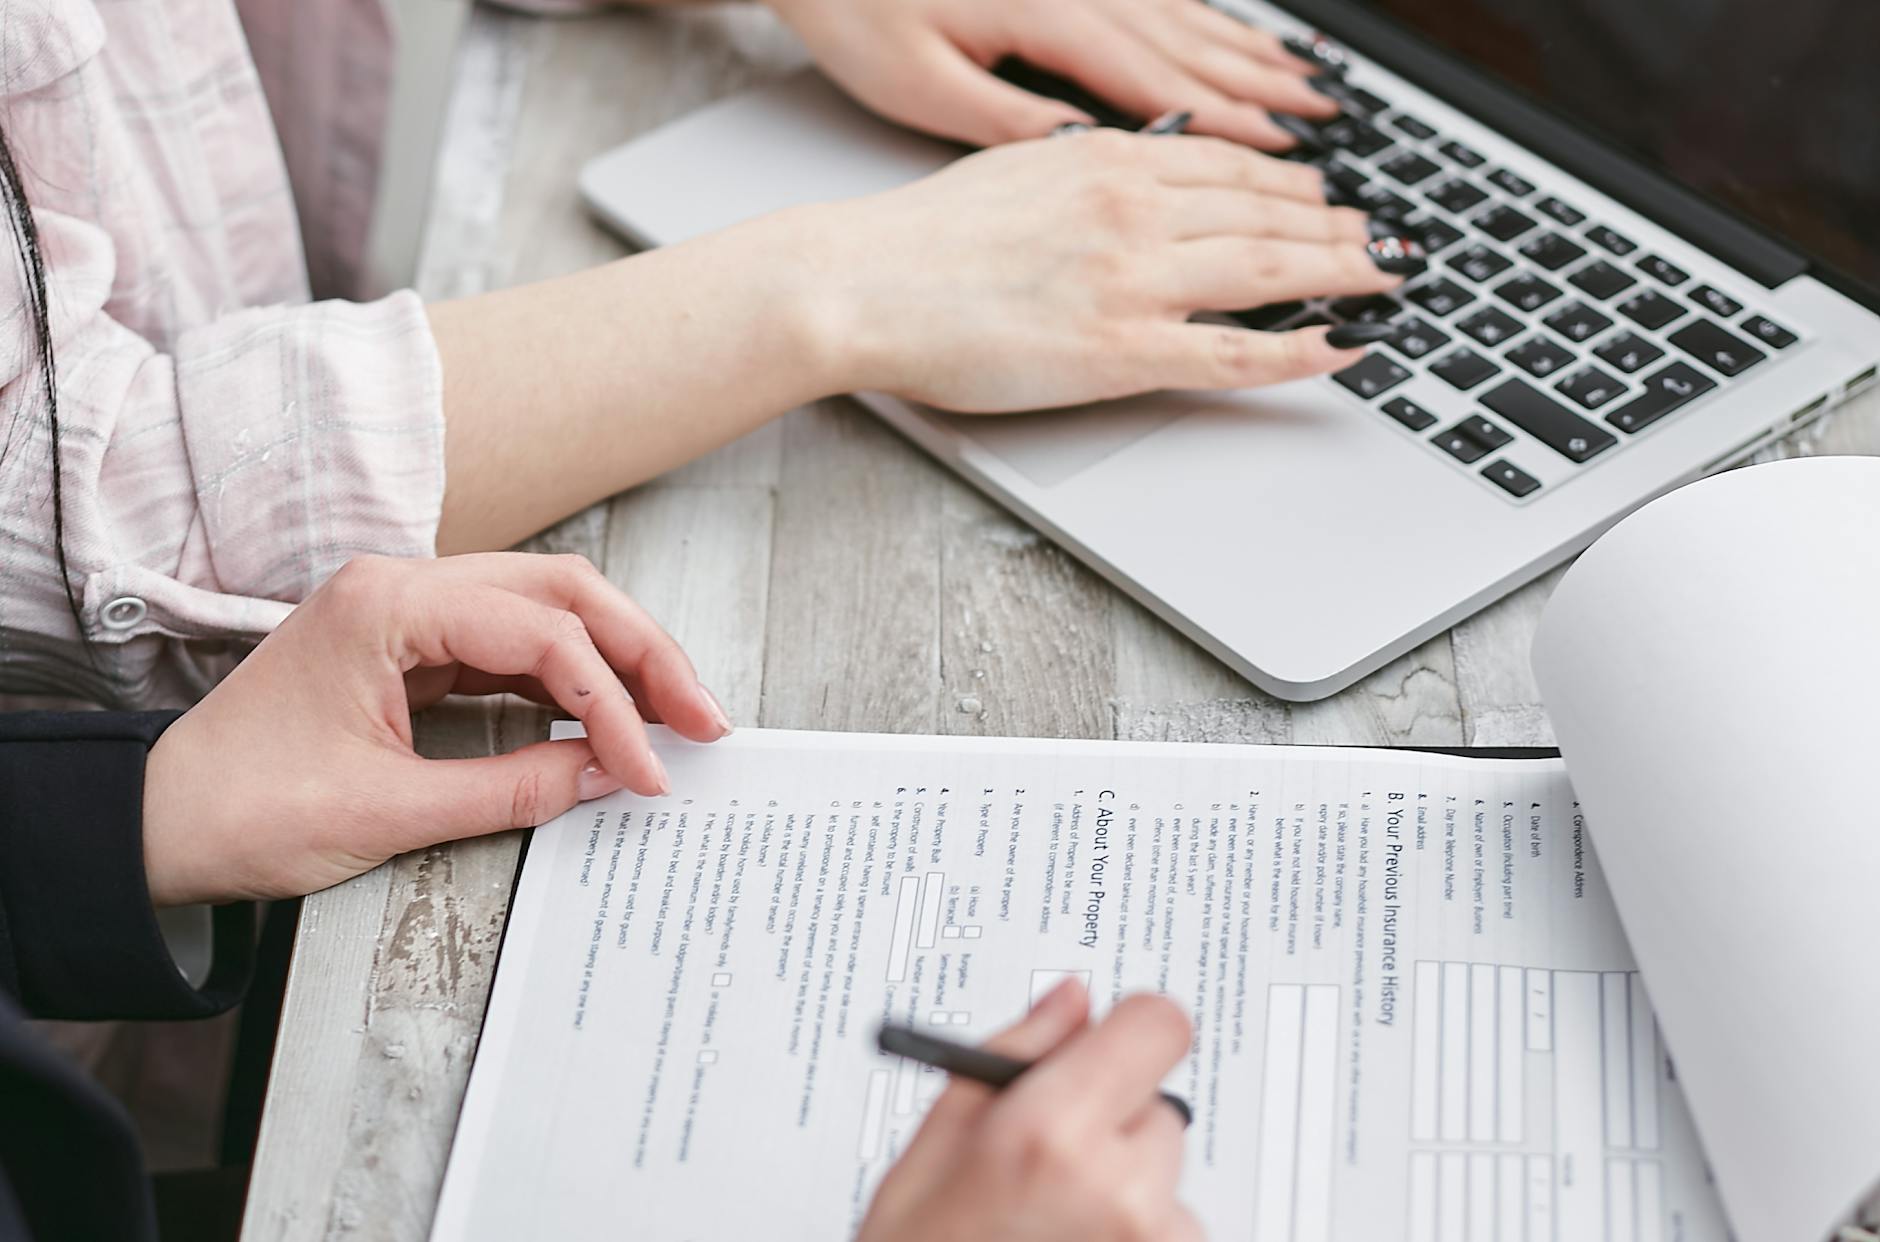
<point x="1415" y="1012"/>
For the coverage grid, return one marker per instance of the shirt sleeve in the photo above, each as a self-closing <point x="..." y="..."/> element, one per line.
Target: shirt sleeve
<point x="208" y="486"/>
<point x="78" y="935"/>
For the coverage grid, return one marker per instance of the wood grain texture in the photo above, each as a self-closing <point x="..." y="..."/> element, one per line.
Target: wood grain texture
<point x="853" y="636"/>
<point x="821" y="573"/>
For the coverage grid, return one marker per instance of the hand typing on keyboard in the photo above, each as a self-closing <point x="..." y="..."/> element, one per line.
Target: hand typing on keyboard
<point x="927" y="64"/>
<point x="1066" y="269"/>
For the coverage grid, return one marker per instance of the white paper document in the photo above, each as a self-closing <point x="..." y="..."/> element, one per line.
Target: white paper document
<point x="1416" y="1016"/>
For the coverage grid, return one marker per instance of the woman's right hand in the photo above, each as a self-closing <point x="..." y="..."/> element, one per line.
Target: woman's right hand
<point x="1079" y="1149"/>
<point x="1065" y="270"/>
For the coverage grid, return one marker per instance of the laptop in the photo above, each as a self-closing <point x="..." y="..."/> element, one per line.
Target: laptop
<point x="1655" y="239"/>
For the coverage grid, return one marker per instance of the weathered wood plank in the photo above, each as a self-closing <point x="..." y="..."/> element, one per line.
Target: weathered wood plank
<point x="1169" y="689"/>
<point x="698" y="559"/>
<point x="307" y="1120"/>
<point x="1025" y="635"/>
<point x="429" y="982"/>
<point x="852" y="640"/>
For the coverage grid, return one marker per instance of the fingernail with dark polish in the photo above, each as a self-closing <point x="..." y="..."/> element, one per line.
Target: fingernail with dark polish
<point x="1318" y="50"/>
<point x="1398" y="256"/>
<point x="1357" y="335"/>
<point x="1304" y="132"/>
<point x="1169" y="122"/>
<point x="1329" y="85"/>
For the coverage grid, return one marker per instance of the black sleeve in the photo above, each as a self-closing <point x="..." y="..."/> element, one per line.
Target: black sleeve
<point x="78" y="936"/>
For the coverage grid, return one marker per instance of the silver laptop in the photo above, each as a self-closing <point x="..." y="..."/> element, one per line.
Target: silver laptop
<point x="1654" y="250"/>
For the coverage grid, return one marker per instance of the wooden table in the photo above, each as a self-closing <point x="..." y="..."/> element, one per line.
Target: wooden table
<point x="821" y="572"/>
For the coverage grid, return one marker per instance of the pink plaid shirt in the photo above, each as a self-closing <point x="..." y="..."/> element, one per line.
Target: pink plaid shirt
<point x="226" y="444"/>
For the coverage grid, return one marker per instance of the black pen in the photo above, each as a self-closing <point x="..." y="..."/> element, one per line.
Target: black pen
<point x="976" y="1064"/>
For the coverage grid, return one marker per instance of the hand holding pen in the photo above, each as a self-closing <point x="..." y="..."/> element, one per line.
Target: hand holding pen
<point x="1081" y="1145"/>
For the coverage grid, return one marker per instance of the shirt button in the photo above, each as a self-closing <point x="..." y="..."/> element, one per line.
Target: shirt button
<point x="124" y="612"/>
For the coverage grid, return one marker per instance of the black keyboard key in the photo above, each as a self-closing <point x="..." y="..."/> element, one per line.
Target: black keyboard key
<point x="1503" y="223"/>
<point x="1601" y="279"/>
<point x="1491" y="326"/>
<point x="1627" y="352"/>
<point x="1539" y="356"/>
<point x="1440" y="297"/>
<point x="1510" y="478"/>
<point x="1663" y="270"/>
<point x="1665" y="391"/>
<point x="1511" y="183"/>
<point x="1418" y="337"/>
<point x="1409" y="413"/>
<point x="1382" y="204"/>
<point x="1771" y="334"/>
<point x="1372" y="376"/>
<point x="1591" y="387"/>
<point x="1606" y="239"/>
<point x="1431" y="233"/>
<point x="1553" y="424"/>
<point x="1307" y="145"/>
<point x="1348" y="133"/>
<point x="1457" y="196"/>
<point x="1335" y="86"/>
<point x="1460" y="445"/>
<point x="1409" y="167"/>
<point x="1720" y="304"/>
<point x="1717" y="348"/>
<point x="1577" y="322"/>
<point x="1344" y="179"/>
<point x="1572" y="217"/>
<point x="1482" y="431"/>
<point x="1373" y="308"/>
<point x="1551" y="251"/>
<point x="1650" y="308"/>
<point x="1368" y="100"/>
<point x="1266" y="318"/>
<point x="1410" y="127"/>
<point x="1468" y="157"/>
<point x="1526" y="292"/>
<point x="1479" y="263"/>
<point x="1464" y="368"/>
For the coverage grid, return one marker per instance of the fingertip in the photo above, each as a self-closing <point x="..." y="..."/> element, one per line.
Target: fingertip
<point x="1351" y="225"/>
<point x="1314" y="354"/>
<point x="1159" y="1019"/>
<point x="1309" y="102"/>
<point x="698" y="717"/>
<point x="1068" y="993"/>
<point x="717" y="711"/>
<point x="594" y="781"/>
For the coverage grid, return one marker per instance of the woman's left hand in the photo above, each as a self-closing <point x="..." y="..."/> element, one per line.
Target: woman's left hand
<point x="926" y="64"/>
<point x="297" y="772"/>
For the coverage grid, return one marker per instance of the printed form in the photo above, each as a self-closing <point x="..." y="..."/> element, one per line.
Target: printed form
<point x="1415" y="1012"/>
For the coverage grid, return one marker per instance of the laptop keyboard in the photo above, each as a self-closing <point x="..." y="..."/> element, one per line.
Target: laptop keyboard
<point x="1538" y="318"/>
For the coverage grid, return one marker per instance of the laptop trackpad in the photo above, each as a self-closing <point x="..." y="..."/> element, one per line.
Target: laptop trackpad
<point x="1054" y="445"/>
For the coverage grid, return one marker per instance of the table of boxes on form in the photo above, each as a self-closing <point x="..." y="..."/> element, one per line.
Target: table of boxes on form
<point x="1534" y="1105"/>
